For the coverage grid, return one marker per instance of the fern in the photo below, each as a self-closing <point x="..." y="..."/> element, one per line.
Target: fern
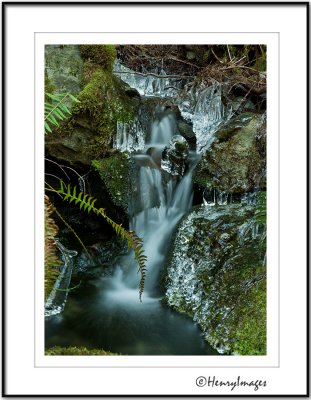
<point x="56" y="109"/>
<point x="74" y="232"/>
<point x="87" y="203"/>
<point x="51" y="260"/>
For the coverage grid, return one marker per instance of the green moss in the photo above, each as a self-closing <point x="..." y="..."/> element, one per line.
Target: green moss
<point x="100" y="54"/>
<point x="77" y="351"/>
<point x="114" y="173"/>
<point x="235" y="285"/>
<point x="103" y="103"/>
<point x="238" y="309"/>
<point x="201" y="176"/>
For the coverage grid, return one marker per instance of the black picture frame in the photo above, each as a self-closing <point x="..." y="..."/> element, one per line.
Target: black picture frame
<point x="6" y="195"/>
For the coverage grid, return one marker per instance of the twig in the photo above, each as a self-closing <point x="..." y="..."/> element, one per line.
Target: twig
<point x="229" y="53"/>
<point x="73" y="231"/>
<point x="54" y="162"/>
<point x="182" y="61"/>
<point x="51" y="189"/>
<point x="81" y="177"/>
<point x="240" y="66"/>
<point x="214" y="54"/>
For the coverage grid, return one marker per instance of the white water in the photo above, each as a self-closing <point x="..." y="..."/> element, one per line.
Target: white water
<point x="163" y="203"/>
<point x="109" y="314"/>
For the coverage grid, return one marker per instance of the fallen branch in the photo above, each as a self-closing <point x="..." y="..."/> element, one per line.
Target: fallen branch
<point x="182" y="61"/>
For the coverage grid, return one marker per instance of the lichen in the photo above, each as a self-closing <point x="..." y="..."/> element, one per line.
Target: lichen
<point x="100" y="54"/>
<point x="114" y="173"/>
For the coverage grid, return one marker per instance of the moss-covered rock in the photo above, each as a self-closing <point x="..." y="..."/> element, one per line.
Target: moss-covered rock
<point x="63" y="68"/>
<point x="236" y="160"/>
<point x="77" y="351"/>
<point x="100" y="54"/>
<point x="88" y="135"/>
<point x="104" y="102"/>
<point x="217" y="275"/>
<point x="114" y="173"/>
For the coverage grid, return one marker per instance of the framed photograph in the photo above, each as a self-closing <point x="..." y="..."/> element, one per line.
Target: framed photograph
<point x="155" y="199"/>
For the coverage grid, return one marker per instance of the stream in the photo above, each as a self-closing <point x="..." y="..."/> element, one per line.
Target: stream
<point x="106" y="312"/>
<point x="175" y="152"/>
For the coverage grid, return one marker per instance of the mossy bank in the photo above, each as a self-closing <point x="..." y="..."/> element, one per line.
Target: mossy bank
<point x="217" y="275"/>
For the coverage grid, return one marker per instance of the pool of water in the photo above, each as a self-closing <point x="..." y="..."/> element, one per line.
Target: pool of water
<point x="99" y="316"/>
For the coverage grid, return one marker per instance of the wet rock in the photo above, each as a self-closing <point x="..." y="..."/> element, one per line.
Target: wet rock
<point x="235" y="162"/>
<point x="184" y="127"/>
<point x="186" y="130"/>
<point x="241" y="104"/>
<point x="174" y="157"/>
<point x="63" y="65"/>
<point x="114" y="173"/>
<point x="217" y="275"/>
<point x="131" y="92"/>
<point x="100" y="258"/>
<point x="190" y="55"/>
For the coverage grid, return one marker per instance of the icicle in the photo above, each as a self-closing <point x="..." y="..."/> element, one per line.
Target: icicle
<point x="56" y="301"/>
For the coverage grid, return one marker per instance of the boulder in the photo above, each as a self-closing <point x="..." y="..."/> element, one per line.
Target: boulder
<point x="217" y="276"/>
<point x="103" y="102"/>
<point x="236" y="160"/>
<point x="175" y="157"/>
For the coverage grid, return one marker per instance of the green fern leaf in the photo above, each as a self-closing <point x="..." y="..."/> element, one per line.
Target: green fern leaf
<point x="87" y="202"/>
<point x="47" y="127"/>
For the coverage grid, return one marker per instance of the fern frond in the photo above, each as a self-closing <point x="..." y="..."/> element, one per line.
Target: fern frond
<point x="87" y="203"/>
<point x="56" y="110"/>
<point x="51" y="261"/>
<point x="74" y="232"/>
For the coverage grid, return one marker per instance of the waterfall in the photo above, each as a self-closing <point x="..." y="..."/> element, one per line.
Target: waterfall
<point x="107" y="312"/>
<point x="162" y="200"/>
<point x="200" y="104"/>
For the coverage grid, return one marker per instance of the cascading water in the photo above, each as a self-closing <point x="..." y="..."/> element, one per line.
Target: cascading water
<point x="107" y="313"/>
<point x="162" y="203"/>
<point x="111" y="313"/>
